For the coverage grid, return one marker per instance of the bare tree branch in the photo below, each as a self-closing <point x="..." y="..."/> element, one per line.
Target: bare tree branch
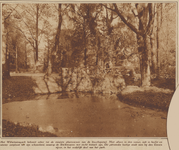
<point x="108" y="7"/>
<point x="26" y="24"/>
<point x="32" y="8"/>
<point x="75" y="20"/>
<point x="80" y="14"/>
<point x="30" y="14"/>
<point x="23" y="35"/>
<point x="132" y="27"/>
<point x="65" y="9"/>
<point x="11" y="12"/>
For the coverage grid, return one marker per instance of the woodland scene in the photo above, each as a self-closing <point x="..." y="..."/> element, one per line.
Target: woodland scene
<point x="105" y="56"/>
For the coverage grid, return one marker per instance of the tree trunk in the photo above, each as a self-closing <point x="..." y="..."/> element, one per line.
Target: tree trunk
<point x="25" y="57"/>
<point x="7" y="68"/>
<point x="144" y="53"/>
<point x="153" y="55"/>
<point x="57" y="46"/>
<point x="159" y="23"/>
<point x="97" y="51"/>
<point x="158" y="61"/>
<point x="7" y="63"/>
<point x="153" y="42"/>
<point x="145" y="44"/>
<point x="16" y="61"/>
<point x="146" y="81"/>
<point x="85" y="50"/>
<point x="85" y="63"/>
<point x="49" y="67"/>
<point x="36" y="40"/>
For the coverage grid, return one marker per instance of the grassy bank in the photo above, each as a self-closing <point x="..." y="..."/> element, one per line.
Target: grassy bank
<point x="17" y="87"/>
<point x="151" y="97"/>
<point x="10" y="129"/>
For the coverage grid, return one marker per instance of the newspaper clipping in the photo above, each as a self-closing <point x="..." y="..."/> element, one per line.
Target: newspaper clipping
<point x="88" y="75"/>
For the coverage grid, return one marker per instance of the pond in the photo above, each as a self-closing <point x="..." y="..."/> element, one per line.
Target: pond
<point x="86" y="115"/>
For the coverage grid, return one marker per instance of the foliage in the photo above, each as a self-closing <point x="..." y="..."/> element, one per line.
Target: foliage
<point x="92" y="36"/>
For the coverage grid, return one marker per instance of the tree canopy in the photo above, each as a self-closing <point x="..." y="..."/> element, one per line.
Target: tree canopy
<point x="138" y="36"/>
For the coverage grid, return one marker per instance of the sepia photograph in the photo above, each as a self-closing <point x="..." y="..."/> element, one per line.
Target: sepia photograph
<point x="87" y="69"/>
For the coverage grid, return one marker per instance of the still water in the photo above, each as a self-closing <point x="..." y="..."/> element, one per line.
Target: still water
<point x="86" y="115"/>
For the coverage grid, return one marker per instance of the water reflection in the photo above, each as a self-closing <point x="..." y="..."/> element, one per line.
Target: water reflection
<point x="86" y="115"/>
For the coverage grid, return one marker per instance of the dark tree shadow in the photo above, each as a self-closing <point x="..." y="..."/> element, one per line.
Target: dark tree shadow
<point x="18" y="88"/>
<point x="164" y="83"/>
